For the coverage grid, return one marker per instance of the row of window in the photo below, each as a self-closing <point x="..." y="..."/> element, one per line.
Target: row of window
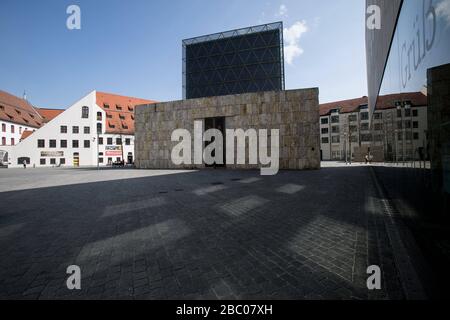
<point x="118" y="107"/>
<point x="109" y="141"/>
<point x="76" y="129"/>
<point x="63" y="143"/>
<point x="13" y="128"/>
<point x="376" y="116"/>
<point x="351" y="118"/>
<point x="407" y="113"/>
<point x="4" y="141"/>
<point x="43" y="161"/>
<point x="100" y="160"/>
<point x="407" y="124"/>
<point x="376" y="127"/>
<point x="368" y="137"/>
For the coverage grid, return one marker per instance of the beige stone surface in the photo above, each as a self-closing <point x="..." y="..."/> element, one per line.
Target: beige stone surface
<point x="294" y="112"/>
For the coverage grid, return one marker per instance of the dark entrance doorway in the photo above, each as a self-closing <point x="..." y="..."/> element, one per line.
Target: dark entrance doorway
<point x="130" y="158"/>
<point x="219" y="124"/>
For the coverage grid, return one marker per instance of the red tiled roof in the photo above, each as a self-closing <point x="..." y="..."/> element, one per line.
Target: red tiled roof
<point x="383" y="102"/>
<point x="17" y="110"/>
<point x="48" y="114"/>
<point x="344" y="106"/>
<point x="119" y="111"/>
<point x="388" y="101"/>
<point x="26" y="134"/>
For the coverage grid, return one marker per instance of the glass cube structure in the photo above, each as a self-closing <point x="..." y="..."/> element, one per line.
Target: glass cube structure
<point x="234" y="62"/>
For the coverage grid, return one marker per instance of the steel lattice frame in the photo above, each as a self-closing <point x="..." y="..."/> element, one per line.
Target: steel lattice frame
<point x="232" y="62"/>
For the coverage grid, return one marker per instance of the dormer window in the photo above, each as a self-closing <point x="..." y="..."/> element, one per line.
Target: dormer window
<point x="121" y="116"/>
<point x="106" y="106"/>
<point x="118" y="107"/>
<point x="111" y="125"/>
<point x="363" y="107"/>
<point x="18" y="111"/>
<point x="31" y="115"/>
<point x="130" y="108"/>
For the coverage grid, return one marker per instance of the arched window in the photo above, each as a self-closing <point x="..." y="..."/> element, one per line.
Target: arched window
<point x="85" y="112"/>
<point x="99" y="128"/>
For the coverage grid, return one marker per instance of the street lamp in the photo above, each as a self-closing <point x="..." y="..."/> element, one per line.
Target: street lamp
<point x="93" y="140"/>
<point x="411" y="137"/>
<point x="345" y="147"/>
<point x="399" y="108"/>
<point x="395" y="144"/>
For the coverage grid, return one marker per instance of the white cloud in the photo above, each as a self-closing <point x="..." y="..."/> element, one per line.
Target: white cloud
<point x="292" y="37"/>
<point x="282" y="11"/>
<point x="443" y="10"/>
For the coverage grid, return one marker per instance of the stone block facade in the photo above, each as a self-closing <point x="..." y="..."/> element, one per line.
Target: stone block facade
<point x="294" y="112"/>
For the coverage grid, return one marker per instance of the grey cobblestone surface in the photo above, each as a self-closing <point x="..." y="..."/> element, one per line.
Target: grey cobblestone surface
<point x="213" y="234"/>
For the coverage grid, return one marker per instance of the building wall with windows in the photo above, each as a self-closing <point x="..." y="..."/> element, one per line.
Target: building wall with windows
<point x="82" y="135"/>
<point x="11" y="133"/>
<point x="398" y="128"/>
<point x="16" y="116"/>
<point x="341" y="132"/>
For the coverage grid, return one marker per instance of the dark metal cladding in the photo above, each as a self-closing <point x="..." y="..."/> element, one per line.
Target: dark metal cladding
<point x="233" y="62"/>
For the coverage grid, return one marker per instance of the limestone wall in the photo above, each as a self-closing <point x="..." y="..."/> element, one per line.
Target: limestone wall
<point x="294" y="112"/>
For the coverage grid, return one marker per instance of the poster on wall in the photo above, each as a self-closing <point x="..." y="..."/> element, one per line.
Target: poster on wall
<point x="113" y="151"/>
<point x="52" y="153"/>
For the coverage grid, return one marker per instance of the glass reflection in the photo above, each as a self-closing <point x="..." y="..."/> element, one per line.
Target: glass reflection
<point x="416" y="90"/>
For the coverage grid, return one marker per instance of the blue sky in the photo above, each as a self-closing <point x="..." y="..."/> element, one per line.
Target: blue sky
<point x="134" y="47"/>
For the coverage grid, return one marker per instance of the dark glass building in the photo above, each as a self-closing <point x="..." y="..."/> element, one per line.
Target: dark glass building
<point x="411" y="53"/>
<point x="233" y="62"/>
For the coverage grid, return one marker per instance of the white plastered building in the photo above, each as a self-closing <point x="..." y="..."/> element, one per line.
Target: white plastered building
<point x="96" y="130"/>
